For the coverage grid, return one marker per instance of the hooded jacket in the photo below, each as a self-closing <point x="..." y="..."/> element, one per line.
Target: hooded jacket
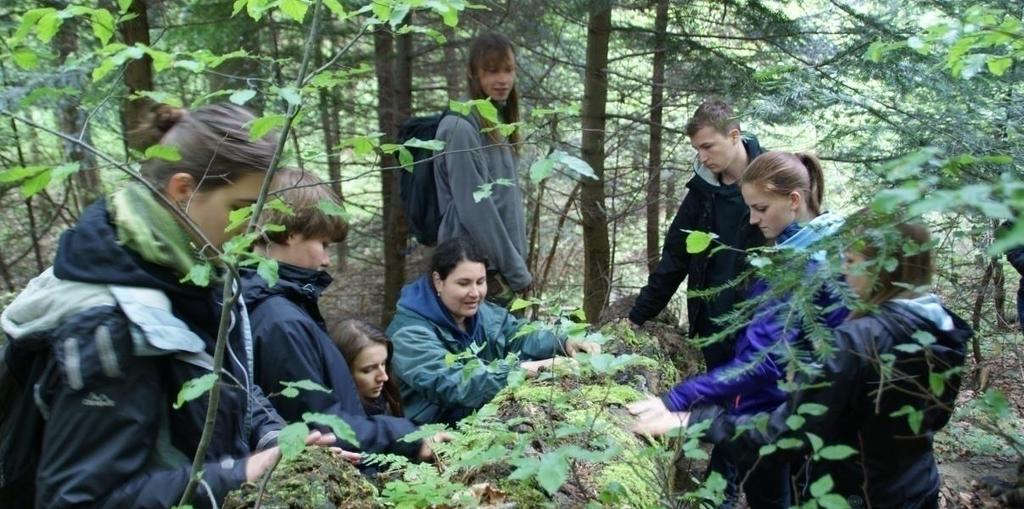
<point x="748" y="383"/>
<point x="713" y="207"/>
<point x="873" y="394"/>
<point x="425" y="335"/>
<point x="292" y="344"/>
<point x="497" y="224"/>
<point x="1016" y="258"/>
<point x="118" y="337"/>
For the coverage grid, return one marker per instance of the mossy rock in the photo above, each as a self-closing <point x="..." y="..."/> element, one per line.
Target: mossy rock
<point x="314" y="480"/>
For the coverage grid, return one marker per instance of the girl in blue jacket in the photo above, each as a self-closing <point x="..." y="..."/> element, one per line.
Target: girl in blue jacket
<point x="784" y="192"/>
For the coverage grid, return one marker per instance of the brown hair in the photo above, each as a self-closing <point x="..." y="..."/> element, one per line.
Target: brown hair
<point x="715" y="114"/>
<point x="351" y="336"/>
<point x="783" y="172"/>
<point x="303" y="192"/>
<point x="213" y="142"/>
<point x="488" y="50"/>
<point x="909" y="245"/>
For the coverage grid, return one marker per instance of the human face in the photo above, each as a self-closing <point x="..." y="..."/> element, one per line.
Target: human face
<point x="715" y="150"/>
<point x="498" y="78"/>
<point x="771" y="212"/>
<point x="463" y="289"/>
<point x="856" y="274"/>
<point x="369" y="369"/>
<point x="309" y="253"/>
<point x="210" y="209"/>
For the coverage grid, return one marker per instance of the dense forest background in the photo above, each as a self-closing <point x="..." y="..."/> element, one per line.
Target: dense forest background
<point x="911" y="105"/>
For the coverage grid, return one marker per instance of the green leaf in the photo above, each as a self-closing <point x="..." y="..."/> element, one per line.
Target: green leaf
<point x="822" y="486"/>
<point x="19" y="173"/>
<point x="765" y="450"/>
<point x="65" y="170"/>
<point x="518" y="304"/>
<point x="914" y="417"/>
<point x="292" y="440"/>
<point x="815" y="440"/>
<point x="483" y="192"/>
<point x="908" y="347"/>
<point x="48" y="25"/>
<point x="795" y="422"/>
<point x="999" y="65"/>
<point x="267" y="269"/>
<point x="405" y="158"/>
<point x="241" y="97"/>
<point x="199" y="275"/>
<point x="460" y="107"/>
<point x="814" y="409"/>
<point x="487" y="110"/>
<point x="165" y="152"/>
<point x="263" y="125"/>
<point x="35" y="184"/>
<point x="697" y="242"/>
<point x="124" y="5"/>
<point x="789" y="443"/>
<point x="833" y="501"/>
<point x="25" y="58"/>
<point x="291" y="95"/>
<point x="937" y="383"/>
<point x="306" y="385"/>
<point x="574" y="163"/>
<point x="336" y="8"/>
<point x="295" y="9"/>
<point x="238" y="217"/>
<point x="279" y="205"/>
<point x="361" y="145"/>
<point x="837" y="452"/>
<point x="331" y="208"/>
<point x="106" y="65"/>
<point x="195" y="388"/>
<point x="340" y="428"/>
<point x="290" y="392"/>
<point x="102" y="25"/>
<point x="161" y="59"/>
<point x="434" y="145"/>
<point x="541" y="169"/>
<point x="552" y="472"/>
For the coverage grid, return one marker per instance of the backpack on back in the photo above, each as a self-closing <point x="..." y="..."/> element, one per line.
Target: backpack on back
<point x="21" y="422"/>
<point x="417" y="188"/>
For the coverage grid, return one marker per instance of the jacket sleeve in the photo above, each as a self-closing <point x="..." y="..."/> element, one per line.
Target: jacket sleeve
<point x="537" y="345"/>
<point x="102" y="430"/>
<point x="420" y="362"/>
<point x="288" y="352"/>
<point x="1016" y="258"/>
<point x="464" y="163"/>
<point x="833" y="388"/>
<point x="267" y="423"/>
<point x="672" y="268"/>
<point x="753" y="367"/>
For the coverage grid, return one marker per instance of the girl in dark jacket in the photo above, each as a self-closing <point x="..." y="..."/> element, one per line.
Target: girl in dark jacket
<point x="120" y="328"/>
<point x="784" y="192"/>
<point x="367" y="351"/>
<point x="889" y="384"/>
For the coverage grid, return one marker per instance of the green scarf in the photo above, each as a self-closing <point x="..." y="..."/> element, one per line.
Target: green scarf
<point x="145" y="226"/>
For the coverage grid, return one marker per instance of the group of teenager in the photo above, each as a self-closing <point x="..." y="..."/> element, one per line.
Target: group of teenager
<point x="111" y="332"/>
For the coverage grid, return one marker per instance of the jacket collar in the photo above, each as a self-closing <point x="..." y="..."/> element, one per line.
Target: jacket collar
<point x="421" y="298"/>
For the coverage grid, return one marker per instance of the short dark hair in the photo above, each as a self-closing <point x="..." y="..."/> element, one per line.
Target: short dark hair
<point x="213" y="142"/>
<point x="452" y="251"/>
<point x="715" y="114"/>
<point x="303" y="192"/>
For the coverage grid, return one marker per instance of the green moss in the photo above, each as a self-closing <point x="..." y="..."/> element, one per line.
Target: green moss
<point x="610" y="394"/>
<point x="314" y="479"/>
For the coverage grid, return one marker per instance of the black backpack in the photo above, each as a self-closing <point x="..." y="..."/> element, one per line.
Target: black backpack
<point x="417" y="188"/>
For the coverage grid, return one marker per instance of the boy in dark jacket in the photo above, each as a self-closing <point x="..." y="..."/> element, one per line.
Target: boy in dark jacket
<point x="291" y="339"/>
<point x="713" y="204"/>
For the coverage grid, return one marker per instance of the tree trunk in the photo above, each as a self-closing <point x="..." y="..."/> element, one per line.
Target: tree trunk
<point x="550" y="260"/>
<point x="454" y="68"/>
<point x="979" y="301"/>
<point x="393" y="82"/>
<point x="331" y="127"/>
<point x="138" y="75"/>
<point x="72" y="118"/>
<point x="1004" y="320"/>
<point x="596" y="251"/>
<point x="654" y="157"/>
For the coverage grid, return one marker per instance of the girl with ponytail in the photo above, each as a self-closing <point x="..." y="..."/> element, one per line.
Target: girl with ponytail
<point x="784" y="192"/>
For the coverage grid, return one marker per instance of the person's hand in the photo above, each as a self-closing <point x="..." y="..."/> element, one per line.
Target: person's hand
<point x="648" y="406"/>
<point x="319" y="439"/>
<point x="427" y="449"/>
<point x="656" y="424"/>
<point x="349" y="456"/>
<point x="573" y="347"/>
<point x="260" y="462"/>
<point x="533" y="368"/>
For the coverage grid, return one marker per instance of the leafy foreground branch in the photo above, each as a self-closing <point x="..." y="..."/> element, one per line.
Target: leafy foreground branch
<point x="560" y="440"/>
